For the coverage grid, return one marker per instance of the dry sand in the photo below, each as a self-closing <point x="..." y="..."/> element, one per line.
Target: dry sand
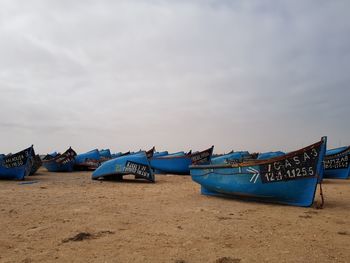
<point x="67" y="217"/>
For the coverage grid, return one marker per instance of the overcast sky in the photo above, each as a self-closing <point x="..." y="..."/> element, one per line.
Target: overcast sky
<point x="242" y="75"/>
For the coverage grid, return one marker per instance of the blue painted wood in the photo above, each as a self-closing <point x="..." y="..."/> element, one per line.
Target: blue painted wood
<point x="136" y="164"/>
<point x="337" y="163"/>
<point x="62" y="162"/>
<point x="230" y="157"/>
<point x="119" y="154"/>
<point x="37" y="162"/>
<point x="159" y="154"/>
<point x="268" y="155"/>
<point x="82" y="157"/>
<point x="178" y="163"/>
<point x="16" y="166"/>
<point x="105" y="154"/>
<point x="88" y="161"/>
<point x="289" y="179"/>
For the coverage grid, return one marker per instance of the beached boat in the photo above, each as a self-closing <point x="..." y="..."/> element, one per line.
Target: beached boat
<point x="336" y="163"/>
<point x="16" y="166"/>
<point x="50" y="156"/>
<point x="105" y="154"/>
<point x="87" y="161"/>
<point x="179" y="163"/>
<point x="269" y="155"/>
<point x="289" y="179"/>
<point x="61" y="162"/>
<point x="159" y="154"/>
<point x="231" y="157"/>
<point x="119" y="154"/>
<point x="150" y="152"/>
<point x="136" y="164"/>
<point x="37" y="162"/>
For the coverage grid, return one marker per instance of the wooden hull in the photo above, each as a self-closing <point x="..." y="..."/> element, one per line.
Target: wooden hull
<point x="136" y="164"/>
<point x="106" y="154"/>
<point x="290" y="179"/>
<point x="93" y="154"/>
<point x="230" y="157"/>
<point x="337" y="163"/>
<point x="16" y="166"/>
<point x="37" y="162"/>
<point x="62" y="162"/>
<point x="179" y="163"/>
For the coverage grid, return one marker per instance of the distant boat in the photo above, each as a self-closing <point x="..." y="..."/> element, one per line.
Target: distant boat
<point x="136" y="164"/>
<point x="158" y="154"/>
<point x="336" y="163"/>
<point x="105" y="154"/>
<point x="288" y="179"/>
<point x="61" y="162"/>
<point x="50" y="155"/>
<point x="179" y="163"/>
<point x="231" y="157"/>
<point x="16" y="166"/>
<point x="268" y="155"/>
<point x="87" y="161"/>
<point x="37" y="162"/>
<point x="150" y="152"/>
<point x="119" y="154"/>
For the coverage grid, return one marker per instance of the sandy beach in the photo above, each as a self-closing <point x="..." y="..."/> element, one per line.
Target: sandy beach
<point x="67" y="217"/>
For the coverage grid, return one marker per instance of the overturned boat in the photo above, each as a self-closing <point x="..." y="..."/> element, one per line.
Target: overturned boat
<point x="336" y="163"/>
<point x="288" y="179"/>
<point x="60" y="162"/>
<point x="136" y="164"/>
<point x="16" y="166"/>
<point x="179" y="163"/>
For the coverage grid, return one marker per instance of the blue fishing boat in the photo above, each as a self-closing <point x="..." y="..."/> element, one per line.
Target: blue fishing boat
<point x="231" y="157"/>
<point x="119" y="154"/>
<point x="268" y="155"/>
<point x="136" y="164"/>
<point x="36" y="163"/>
<point x="159" y="154"/>
<point x="16" y="166"/>
<point x="150" y="152"/>
<point x="105" y="154"/>
<point x="61" y="162"/>
<point x="336" y="163"/>
<point x="87" y="161"/>
<point x="289" y="179"/>
<point x="82" y="157"/>
<point x="50" y="156"/>
<point x="179" y="163"/>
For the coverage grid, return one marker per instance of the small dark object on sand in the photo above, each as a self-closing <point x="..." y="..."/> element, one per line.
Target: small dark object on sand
<point x="228" y="260"/>
<point x="86" y="235"/>
<point x="29" y="182"/>
<point x="79" y="237"/>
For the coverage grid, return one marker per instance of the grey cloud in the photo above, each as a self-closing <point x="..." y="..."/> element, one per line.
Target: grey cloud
<point x="256" y="75"/>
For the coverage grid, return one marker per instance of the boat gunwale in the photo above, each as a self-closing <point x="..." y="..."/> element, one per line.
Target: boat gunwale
<point x="186" y="156"/>
<point x="58" y="156"/>
<point x="337" y="154"/>
<point x="258" y="162"/>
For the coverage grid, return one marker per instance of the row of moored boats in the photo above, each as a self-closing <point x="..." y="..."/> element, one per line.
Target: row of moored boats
<point x="278" y="177"/>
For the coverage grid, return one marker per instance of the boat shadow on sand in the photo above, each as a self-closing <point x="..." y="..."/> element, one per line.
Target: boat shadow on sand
<point x="126" y="179"/>
<point x="254" y="200"/>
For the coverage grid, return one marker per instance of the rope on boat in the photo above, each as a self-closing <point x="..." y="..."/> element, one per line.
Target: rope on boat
<point x="320" y="206"/>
